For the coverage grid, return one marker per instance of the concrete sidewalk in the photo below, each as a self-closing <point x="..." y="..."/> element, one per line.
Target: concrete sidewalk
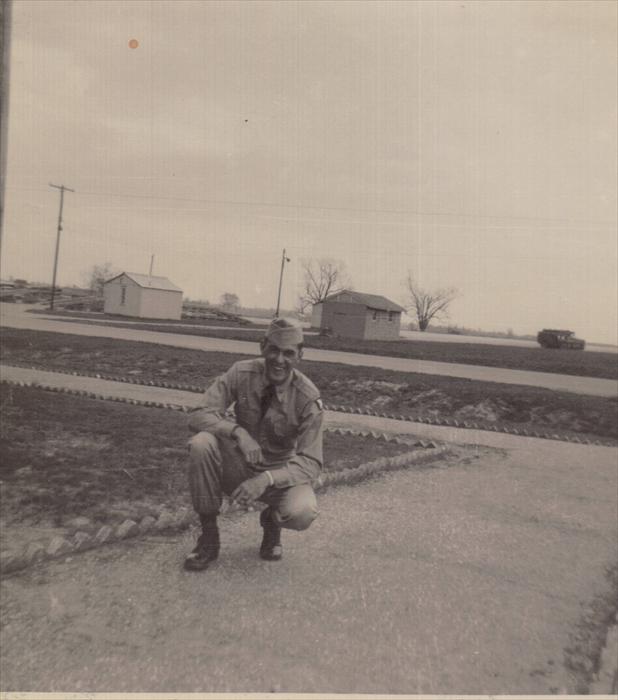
<point x="175" y="398"/>
<point x="14" y="317"/>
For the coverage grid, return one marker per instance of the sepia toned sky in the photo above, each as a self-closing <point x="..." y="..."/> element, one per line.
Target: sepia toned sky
<point x="470" y="143"/>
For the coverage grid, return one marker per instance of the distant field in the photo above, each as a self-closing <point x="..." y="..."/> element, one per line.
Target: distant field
<point x="572" y="362"/>
<point x="404" y="393"/>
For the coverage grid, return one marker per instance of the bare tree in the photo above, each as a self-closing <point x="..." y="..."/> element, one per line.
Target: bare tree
<point x="426" y="304"/>
<point x="320" y="279"/>
<point x="229" y="302"/>
<point x="98" y="275"/>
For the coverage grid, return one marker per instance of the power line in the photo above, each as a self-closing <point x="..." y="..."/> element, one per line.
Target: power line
<point x="249" y="203"/>
<point x="386" y="252"/>
<point x="442" y="225"/>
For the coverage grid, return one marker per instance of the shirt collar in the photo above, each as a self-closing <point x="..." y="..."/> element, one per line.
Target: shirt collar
<point x="282" y="389"/>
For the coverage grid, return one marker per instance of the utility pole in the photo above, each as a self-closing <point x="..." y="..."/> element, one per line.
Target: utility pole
<point x="5" y="57"/>
<point x="283" y="261"/>
<point x="62" y="188"/>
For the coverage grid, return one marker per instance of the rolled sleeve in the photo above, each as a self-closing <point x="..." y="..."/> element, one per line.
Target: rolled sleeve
<point x="209" y="414"/>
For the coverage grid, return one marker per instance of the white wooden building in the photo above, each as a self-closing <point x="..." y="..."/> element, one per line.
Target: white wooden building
<point x="142" y="296"/>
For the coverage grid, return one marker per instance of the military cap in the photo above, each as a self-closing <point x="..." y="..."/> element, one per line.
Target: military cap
<point x="284" y="331"/>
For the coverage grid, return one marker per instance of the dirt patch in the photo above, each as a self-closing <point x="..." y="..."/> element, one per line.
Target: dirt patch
<point x="380" y="386"/>
<point x="66" y="457"/>
<point x="374" y="394"/>
<point x="52" y="445"/>
<point x="487" y="410"/>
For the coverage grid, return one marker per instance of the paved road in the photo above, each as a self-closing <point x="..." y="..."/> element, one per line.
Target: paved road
<point x="488" y="340"/>
<point x="13" y="315"/>
<point x="426" y="336"/>
<point x="470" y="578"/>
<point x="146" y="324"/>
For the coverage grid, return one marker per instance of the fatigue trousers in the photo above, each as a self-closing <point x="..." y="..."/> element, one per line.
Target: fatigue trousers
<point x="216" y="466"/>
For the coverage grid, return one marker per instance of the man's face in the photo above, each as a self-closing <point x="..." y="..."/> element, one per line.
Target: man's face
<point x="280" y="360"/>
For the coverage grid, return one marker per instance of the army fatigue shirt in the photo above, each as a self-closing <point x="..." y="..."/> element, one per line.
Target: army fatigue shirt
<point x="289" y="433"/>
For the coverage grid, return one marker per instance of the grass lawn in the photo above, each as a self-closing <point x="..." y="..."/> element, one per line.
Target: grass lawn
<point x="573" y="362"/>
<point x="383" y="390"/>
<point x="66" y="456"/>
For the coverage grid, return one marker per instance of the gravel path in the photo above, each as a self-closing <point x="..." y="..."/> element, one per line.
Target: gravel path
<point x="470" y="578"/>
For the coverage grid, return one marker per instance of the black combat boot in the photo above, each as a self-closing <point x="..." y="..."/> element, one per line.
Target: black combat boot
<point x="207" y="548"/>
<point x="271" y="548"/>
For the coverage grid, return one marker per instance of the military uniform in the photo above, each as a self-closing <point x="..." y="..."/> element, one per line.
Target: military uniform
<point x="285" y="420"/>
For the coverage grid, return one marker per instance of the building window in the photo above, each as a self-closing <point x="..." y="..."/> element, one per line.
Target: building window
<point x="123" y="296"/>
<point x="390" y="316"/>
<point x="375" y="316"/>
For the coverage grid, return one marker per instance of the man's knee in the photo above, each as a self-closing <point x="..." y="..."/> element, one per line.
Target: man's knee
<point x="202" y="442"/>
<point x="299" y="510"/>
<point x="300" y="520"/>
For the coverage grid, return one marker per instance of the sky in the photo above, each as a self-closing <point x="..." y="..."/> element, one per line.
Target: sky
<point x="471" y="144"/>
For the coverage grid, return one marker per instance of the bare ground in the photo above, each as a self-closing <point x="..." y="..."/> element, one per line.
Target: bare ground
<point x="65" y="457"/>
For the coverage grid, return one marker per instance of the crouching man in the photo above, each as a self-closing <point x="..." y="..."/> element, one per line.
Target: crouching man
<point x="271" y="452"/>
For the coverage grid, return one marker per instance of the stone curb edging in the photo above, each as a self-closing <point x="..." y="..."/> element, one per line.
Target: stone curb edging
<point x="81" y="541"/>
<point x="340" y="408"/>
<point x="475" y="425"/>
<point x="37" y="551"/>
<point x="364" y="471"/>
<point x="93" y="395"/>
<point x="377" y="435"/>
<point x="193" y="388"/>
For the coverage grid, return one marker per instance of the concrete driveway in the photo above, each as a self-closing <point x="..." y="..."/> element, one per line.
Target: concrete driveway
<point x="470" y="578"/>
<point x="13" y="315"/>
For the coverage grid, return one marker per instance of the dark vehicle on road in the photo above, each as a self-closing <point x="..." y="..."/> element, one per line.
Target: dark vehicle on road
<point x="551" y="338"/>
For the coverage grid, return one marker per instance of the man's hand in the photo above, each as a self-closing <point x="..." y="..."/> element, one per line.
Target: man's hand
<point x="251" y="489"/>
<point x="250" y="449"/>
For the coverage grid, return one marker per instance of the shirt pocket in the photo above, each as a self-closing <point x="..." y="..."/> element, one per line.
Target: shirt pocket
<point x="282" y="427"/>
<point x="247" y="413"/>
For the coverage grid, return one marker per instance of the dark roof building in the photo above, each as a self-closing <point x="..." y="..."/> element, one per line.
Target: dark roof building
<point x="358" y="315"/>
